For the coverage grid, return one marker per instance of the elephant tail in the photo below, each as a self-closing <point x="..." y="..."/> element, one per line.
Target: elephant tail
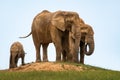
<point x="26" y="36"/>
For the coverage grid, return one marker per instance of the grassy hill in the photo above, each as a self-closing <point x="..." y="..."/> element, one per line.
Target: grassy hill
<point x="58" y="71"/>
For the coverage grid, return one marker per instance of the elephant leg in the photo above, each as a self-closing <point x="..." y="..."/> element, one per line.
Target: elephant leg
<point x="37" y="47"/>
<point x="38" y="57"/>
<point x="13" y="61"/>
<point x="22" y="61"/>
<point x="11" y="64"/>
<point x="58" y="47"/>
<point x="56" y="39"/>
<point x="64" y="55"/>
<point x="65" y="48"/>
<point x="58" y="52"/>
<point x="16" y="60"/>
<point x="45" y="57"/>
<point x="82" y="47"/>
<point x="72" y="54"/>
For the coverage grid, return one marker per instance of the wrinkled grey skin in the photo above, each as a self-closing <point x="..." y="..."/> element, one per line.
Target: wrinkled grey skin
<point x="16" y="52"/>
<point x="56" y="27"/>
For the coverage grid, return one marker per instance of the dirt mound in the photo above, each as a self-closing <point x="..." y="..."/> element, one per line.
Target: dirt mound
<point x="47" y="66"/>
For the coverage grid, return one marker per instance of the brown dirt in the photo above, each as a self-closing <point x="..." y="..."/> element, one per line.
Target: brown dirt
<point x="47" y="66"/>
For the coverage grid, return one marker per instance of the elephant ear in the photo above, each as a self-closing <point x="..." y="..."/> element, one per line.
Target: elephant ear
<point x="58" y="21"/>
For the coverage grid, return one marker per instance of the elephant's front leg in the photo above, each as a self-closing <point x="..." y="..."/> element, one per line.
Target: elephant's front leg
<point x="73" y="49"/>
<point x="58" y="51"/>
<point x="14" y="61"/>
<point x="11" y="63"/>
<point x="58" y="47"/>
<point x="82" y="47"/>
<point x="64" y="55"/>
<point x="45" y="57"/>
<point x="56" y="39"/>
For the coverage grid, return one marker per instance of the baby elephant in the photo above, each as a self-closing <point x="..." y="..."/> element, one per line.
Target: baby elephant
<point x="16" y="52"/>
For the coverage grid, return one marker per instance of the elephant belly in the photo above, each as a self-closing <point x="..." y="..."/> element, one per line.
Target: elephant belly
<point x="41" y="34"/>
<point x="46" y="39"/>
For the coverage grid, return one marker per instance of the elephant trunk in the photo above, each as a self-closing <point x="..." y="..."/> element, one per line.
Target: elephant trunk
<point x="89" y="45"/>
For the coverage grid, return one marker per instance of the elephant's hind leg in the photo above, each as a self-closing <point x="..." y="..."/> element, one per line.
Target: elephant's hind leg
<point x="23" y="63"/>
<point x="45" y="57"/>
<point x="38" y="57"/>
<point x="37" y="47"/>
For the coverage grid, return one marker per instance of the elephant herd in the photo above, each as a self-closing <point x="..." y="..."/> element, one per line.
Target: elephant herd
<point x="65" y="29"/>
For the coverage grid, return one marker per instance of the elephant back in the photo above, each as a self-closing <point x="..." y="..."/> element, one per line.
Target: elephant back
<point x="17" y="47"/>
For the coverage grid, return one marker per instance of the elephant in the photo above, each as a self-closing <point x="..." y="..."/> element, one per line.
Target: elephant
<point x="56" y="27"/>
<point x="87" y="40"/>
<point x="16" y="52"/>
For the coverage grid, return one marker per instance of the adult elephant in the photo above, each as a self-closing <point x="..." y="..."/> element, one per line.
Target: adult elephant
<point x="55" y="27"/>
<point x="16" y="52"/>
<point x="86" y="42"/>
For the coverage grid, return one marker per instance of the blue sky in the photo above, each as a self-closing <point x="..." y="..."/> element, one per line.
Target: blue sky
<point x="103" y="15"/>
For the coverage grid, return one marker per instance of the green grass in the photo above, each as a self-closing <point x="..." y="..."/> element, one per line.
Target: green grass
<point x="65" y="75"/>
<point x="89" y="73"/>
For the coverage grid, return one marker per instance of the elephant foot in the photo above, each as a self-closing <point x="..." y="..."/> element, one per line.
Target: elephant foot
<point x="38" y="60"/>
<point x="11" y="67"/>
<point x="64" y="60"/>
<point x="23" y="64"/>
<point x="81" y="62"/>
<point x="45" y="60"/>
<point x="58" y="60"/>
<point x="74" y="60"/>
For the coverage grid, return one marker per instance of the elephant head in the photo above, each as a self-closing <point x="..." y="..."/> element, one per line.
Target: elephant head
<point x="16" y="52"/>
<point x="69" y="21"/>
<point x="88" y="38"/>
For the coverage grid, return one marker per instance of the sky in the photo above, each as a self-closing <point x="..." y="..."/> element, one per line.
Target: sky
<point x="16" y="17"/>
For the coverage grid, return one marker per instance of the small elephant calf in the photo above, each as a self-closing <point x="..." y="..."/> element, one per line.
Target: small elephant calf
<point x="16" y="52"/>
